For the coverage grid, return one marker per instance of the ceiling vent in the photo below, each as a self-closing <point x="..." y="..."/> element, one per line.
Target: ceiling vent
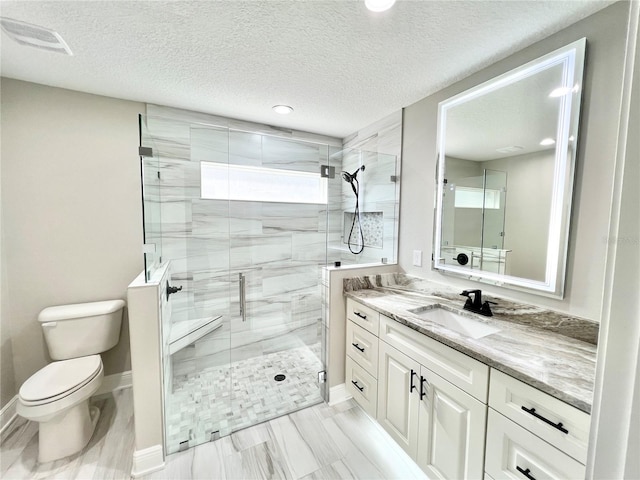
<point x="34" y="36"/>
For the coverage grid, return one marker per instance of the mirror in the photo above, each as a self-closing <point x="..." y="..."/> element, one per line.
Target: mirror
<point x="506" y="155"/>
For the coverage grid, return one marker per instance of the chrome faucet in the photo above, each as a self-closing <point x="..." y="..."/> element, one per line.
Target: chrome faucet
<point x="476" y="305"/>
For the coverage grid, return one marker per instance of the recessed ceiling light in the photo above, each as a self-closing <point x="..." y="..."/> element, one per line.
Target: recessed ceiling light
<point x="282" y="109"/>
<point x="379" y="5"/>
<point x="547" y="141"/>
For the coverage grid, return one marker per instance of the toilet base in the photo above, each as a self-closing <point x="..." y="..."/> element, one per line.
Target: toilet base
<point x="67" y="433"/>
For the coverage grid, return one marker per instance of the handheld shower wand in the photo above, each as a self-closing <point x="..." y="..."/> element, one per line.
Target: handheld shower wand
<point x="352" y="179"/>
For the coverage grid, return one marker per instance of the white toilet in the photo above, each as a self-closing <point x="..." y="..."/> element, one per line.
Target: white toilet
<point x="57" y="396"/>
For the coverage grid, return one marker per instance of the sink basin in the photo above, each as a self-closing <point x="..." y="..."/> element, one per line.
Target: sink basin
<point x="457" y="323"/>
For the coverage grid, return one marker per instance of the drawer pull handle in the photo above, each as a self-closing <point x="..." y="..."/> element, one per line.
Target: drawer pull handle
<point x="358" y="314"/>
<point x="358" y="347"/>
<point x="558" y="425"/>
<point x="423" y="392"/>
<point x="526" y="473"/>
<point x="355" y="384"/>
<point x="412" y="385"/>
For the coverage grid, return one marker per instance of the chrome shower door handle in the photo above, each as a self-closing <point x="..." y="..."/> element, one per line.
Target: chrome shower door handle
<point x="243" y="299"/>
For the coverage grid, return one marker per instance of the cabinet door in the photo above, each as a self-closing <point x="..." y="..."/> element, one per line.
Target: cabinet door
<point x="452" y="429"/>
<point x="515" y="453"/>
<point x="398" y="397"/>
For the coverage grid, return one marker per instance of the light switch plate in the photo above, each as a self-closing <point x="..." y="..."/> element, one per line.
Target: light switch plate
<point x="417" y="258"/>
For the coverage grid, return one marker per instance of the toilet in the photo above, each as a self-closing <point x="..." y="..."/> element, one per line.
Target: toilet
<point x="57" y="396"/>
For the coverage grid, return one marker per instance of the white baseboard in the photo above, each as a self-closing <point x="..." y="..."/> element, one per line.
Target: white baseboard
<point x="338" y="394"/>
<point x="147" y="460"/>
<point x="114" y="382"/>
<point x="8" y="414"/>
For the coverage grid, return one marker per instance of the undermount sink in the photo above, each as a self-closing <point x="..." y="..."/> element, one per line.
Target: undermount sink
<point x="457" y="323"/>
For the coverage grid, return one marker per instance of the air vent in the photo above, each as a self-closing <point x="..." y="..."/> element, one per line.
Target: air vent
<point x="34" y="36"/>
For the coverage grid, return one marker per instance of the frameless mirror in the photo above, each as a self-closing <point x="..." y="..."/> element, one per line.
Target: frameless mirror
<point x="506" y="155"/>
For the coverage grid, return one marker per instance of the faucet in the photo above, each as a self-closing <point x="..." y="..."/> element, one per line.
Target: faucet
<point x="476" y="305"/>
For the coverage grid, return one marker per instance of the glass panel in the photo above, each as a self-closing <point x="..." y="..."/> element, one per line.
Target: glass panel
<point x="152" y="227"/>
<point x="278" y="248"/>
<point x="363" y="212"/>
<point x="493" y="255"/>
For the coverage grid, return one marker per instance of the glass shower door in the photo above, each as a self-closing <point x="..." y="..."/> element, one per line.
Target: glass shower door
<point x="278" y="217"/>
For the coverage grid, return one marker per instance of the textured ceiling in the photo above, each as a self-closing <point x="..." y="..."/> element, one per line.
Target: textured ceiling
<point x="340" y="66"/>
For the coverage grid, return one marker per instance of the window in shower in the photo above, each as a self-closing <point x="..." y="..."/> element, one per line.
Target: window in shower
<point x="220" y="181"/>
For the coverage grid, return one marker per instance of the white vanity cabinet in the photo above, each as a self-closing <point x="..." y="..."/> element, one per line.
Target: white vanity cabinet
<point x="439" y="423"/>
<point x="432" y="400"/>
<point x="531" y="434"/>
<point x="451" y="430"/>
<point x="361" y="365"/>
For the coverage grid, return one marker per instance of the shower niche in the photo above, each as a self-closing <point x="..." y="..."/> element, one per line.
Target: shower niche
<point x="248" y="223"/>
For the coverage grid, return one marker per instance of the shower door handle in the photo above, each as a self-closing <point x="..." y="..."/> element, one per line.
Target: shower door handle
<point x="243" y="298"/>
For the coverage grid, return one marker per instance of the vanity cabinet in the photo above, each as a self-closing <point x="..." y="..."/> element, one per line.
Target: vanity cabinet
<point x="451" y="430"/>
<point x="439" y="423"/>
<point x="443" y="407"/>
<point x="361" y="364"/>
<point x="533" y="435"/>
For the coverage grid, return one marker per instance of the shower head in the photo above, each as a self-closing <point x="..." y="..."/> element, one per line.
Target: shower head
<point x="351" y="177"/>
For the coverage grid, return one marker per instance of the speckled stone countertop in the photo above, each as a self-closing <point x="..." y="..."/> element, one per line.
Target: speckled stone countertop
<point x="550" y="351"/>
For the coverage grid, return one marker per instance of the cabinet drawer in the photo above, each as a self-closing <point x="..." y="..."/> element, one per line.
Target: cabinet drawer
<point x="364" y="316"/>
<point x="508" y="395"/>
<point x="362" y="346"/>
<point x="510" y="448"/>
<point x="461" y="370"/>
<point x="362" y="386"/>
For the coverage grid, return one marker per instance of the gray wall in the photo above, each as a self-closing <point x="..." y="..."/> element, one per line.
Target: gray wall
<point x="605" y="33"/>
<point x="71" y="208"/>
<point x="7" y="378"/>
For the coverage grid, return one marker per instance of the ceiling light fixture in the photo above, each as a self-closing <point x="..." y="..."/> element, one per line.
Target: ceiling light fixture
<point x="547" y="141"/>
<point x="282" y="109"/>
<point x="379" y="5"/>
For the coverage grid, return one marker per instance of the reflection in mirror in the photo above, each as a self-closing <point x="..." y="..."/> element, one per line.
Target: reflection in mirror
<point x="505" y="174"/>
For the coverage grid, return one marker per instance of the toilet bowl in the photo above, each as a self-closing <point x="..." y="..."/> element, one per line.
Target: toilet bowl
<point x="57" y="396"/>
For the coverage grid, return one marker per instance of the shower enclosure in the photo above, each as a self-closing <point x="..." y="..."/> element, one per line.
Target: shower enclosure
<point x="247" y="220"/>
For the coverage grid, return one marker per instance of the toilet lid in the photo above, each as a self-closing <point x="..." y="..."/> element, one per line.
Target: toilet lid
<point x="60" y="377"/>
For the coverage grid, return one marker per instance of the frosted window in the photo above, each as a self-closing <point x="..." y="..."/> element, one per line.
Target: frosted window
<point x="469" y="197"/>
<point x="220" y="181"/>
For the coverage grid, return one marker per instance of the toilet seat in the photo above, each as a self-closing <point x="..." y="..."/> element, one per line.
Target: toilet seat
<point x="59" y="379"/>
<point x="57" y="401"/>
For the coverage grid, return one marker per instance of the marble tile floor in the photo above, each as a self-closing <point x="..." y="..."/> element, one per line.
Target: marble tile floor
<point x="107" y="456"/>
<point x="227" y="398"/>
<point x="316" y="443"/>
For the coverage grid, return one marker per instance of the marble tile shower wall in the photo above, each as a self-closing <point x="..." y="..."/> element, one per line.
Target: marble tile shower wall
<point x="279" y="247"/>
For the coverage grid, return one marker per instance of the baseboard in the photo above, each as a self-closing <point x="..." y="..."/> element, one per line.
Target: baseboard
<point x="8" y="414"/>
<point x="147" y="460"/>
<point x="338" y="394"/>
<point x="114" y="382"/>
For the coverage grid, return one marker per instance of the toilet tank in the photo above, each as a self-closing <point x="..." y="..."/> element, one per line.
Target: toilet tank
<point x="82" y="329"/>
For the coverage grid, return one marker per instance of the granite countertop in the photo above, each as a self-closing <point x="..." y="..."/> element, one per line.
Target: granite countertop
<point x="550" y="351"/>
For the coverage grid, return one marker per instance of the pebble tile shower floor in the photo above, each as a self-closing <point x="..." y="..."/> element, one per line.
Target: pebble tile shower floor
<point x="231" y="397"/>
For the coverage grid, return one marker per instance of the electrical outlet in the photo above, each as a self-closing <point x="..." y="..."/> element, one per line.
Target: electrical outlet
<point x="417" y="258"/>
